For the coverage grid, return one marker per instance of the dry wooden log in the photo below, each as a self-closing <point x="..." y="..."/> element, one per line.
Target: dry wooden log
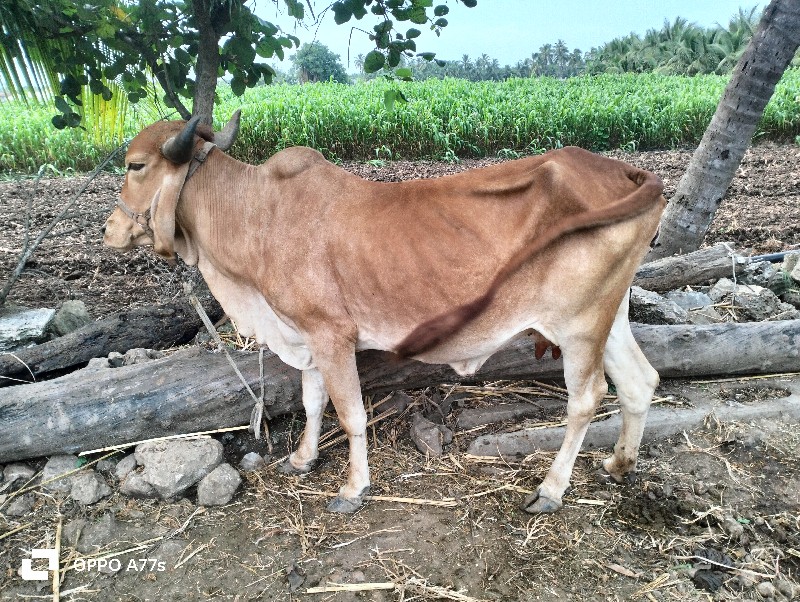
<point x="697" y="267"/>
<point x="158" y="327"/>
<point x="196" y="390"/>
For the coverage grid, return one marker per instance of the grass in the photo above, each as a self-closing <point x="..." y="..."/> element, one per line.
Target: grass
<point x="443" y="119"/>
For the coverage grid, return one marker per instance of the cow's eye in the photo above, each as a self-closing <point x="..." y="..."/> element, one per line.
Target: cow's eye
<point x="135" y="166"/>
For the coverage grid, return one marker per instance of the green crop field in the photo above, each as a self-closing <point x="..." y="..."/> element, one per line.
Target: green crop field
<point x="443" y="119"/>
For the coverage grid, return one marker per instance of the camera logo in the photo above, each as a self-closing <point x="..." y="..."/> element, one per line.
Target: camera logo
<point x="26" y="570"/>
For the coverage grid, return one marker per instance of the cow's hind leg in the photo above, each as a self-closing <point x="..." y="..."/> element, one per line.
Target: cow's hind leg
<point x="635" y="381"/>
<point x="315" y="398"/>
<point x="586" y="384"/>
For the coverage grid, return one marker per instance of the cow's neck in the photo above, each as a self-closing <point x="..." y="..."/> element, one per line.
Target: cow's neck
<point x="222" y="201"/>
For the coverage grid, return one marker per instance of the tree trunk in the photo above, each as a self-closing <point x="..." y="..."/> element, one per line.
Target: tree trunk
<point x="195" y="391"/>
<point x="160" y="327"/>
<point x="207" y="66"/>
<point x="724" y="143"/>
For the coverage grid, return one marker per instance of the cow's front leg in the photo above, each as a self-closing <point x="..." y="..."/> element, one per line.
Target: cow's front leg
<point x="586" y="384"/>
<point x="315" y="398"/>
<point x="337" y="363"/>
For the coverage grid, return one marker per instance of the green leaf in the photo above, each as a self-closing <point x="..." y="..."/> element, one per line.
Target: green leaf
<point x="413" y="33"/>
<point x="470" y="3"/>
<point x="238" y="86"/>
<point x="403" y="73"/>
<point x="428" y="56"/>
<point x="59" y="122"/>
<point x="62" y="105"/>
<point x="373" y="61"/>
<point x="295" y="9"/>
<point x="441" y="10"/>
<point x="418" y="15"/>
<point x="440" y="22"/>
<point x="341" y="13"/>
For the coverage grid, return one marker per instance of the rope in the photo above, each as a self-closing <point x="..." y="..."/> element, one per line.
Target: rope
<point x="258" y="413"/>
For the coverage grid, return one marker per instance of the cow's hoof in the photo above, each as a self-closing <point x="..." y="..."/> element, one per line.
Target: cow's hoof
<point x="343" y="505"/>
<point x="603" y="476"/>
<point x="286" y="467"/>
<point x="536" y="503"/>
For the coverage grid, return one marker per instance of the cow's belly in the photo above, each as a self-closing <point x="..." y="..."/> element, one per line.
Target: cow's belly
<point x="254" y="318"/>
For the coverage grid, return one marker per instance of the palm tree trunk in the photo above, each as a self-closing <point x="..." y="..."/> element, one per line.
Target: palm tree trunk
<point x="724" y="143"/>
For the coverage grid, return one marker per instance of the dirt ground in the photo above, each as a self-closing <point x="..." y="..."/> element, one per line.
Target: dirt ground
<point x="725" y="495"/>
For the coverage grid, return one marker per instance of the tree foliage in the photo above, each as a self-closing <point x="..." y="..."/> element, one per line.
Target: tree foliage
<point x="315" y="62"/>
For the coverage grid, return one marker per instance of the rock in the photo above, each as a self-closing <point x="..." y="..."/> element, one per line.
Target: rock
<point x="648" y="307"/>
<point x="98" y="362"/>
<point x="791" y="265"/>
<point x="20" y="326"/>
<point x="139" y="355"/>
<point x="766" y="589"/>
<point x="116" y="359"/>
<point x="20" y="505"/>
<point x="732" y="527"/>
<point x="252" y="462"/>
<point x="689" y="300"/>
<point x="72" y="531"/>
<point x="125" y="466"/>
<point x="429" y="437"/>
<point x="58" y="465"/>
<point x="98" y="534"/>
<point x="762" y="273"/>
<point x="171" y="467"/>
<point x="88" y="488"/>
<point x="787" y="588"/>
<point x="399" y="401"/>
<point x="753" y="303"/>
<point x="107" y="466"/>
<point x="70" y="317"/>
<point x="21" y="473"/>
<point x="136" y="486"/>
<point x="218" y="487"/>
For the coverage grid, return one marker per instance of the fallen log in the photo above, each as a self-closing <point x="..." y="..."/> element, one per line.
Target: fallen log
<point x="158" y="327"/>
<point x="194" y="390"/>
<point x="696" y="267"/>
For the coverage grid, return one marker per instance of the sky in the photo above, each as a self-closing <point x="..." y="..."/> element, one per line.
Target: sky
<point x="511" y="30"/>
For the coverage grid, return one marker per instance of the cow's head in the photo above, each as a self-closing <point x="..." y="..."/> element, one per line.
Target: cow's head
<point x="157" y="163"/>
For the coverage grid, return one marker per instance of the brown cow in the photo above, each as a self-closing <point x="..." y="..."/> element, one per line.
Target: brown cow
<point x="317" y="263"/>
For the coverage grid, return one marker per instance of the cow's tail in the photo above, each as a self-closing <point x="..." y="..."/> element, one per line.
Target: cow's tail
<point x="436" y="330"/>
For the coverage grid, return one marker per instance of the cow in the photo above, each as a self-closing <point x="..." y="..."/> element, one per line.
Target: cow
<point x="317" y="263"/>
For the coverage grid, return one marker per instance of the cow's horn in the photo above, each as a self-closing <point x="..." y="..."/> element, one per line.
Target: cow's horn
<point x="179" y="149"/>
<point x="225" y="138"/>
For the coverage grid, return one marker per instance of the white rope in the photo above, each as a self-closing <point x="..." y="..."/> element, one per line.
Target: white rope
<point x="257" y="414"/>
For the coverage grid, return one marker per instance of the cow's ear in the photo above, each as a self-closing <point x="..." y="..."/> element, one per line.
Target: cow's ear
<point x="162" y="210"/>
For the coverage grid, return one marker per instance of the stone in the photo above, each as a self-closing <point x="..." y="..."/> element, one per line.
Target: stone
<point x="429" y="438"/>
<point x="72" y="531"/>
<point x="71" y="316"/>
<point x="761" y="274"/>
<point x="217" y="488"/>
<point x="89" y="488"/>
<point x="136" y="486"/>
<point x="20" y="326"/>
<point x="766" y="589"/>
<point x="19" y="473"/>
<point x="689" y="300"/>
<point x="98" y="363"/>
<point x="116" y="359"/>
<point x="173" y="466"/>
<point x="791" y="265"/>
<point x="58" y="465"/>
<point x="20" y="505"/>
<point x="787" y="588"/>
<point x="140" y="355"/>
<point x="98" y="534"/>
<point x="752" y="303"/>
<point x="648" y="307"/>
<point x="125" y="466"/>
<point x="252" y="462"/>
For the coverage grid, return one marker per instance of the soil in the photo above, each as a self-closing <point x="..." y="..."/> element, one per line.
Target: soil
<point x="714" y="514"/>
